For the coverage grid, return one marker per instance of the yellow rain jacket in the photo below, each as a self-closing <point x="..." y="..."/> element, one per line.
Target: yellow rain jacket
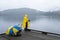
<point x="24" y="21"/>
<point x="8" y="30"/>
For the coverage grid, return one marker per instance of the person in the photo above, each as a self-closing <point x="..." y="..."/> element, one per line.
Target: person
<point x="19" y="32"/>
<point x="27" y="24"/>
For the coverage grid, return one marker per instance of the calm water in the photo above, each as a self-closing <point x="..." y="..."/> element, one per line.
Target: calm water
<point x="5" y="24"/>
<point x="43" y="23"/>
<point x="46" y="24"/>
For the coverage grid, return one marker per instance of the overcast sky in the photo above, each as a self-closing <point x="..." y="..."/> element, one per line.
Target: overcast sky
<point x="43" y="5"/>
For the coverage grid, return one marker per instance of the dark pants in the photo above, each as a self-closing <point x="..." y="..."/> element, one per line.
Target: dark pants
<point x="26" y="28"/>
<point x="19" y="33"/>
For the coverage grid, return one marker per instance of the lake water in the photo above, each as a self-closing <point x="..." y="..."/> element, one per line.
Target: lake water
<point x="43" y="23"/>
<point x="46" y="24"/>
